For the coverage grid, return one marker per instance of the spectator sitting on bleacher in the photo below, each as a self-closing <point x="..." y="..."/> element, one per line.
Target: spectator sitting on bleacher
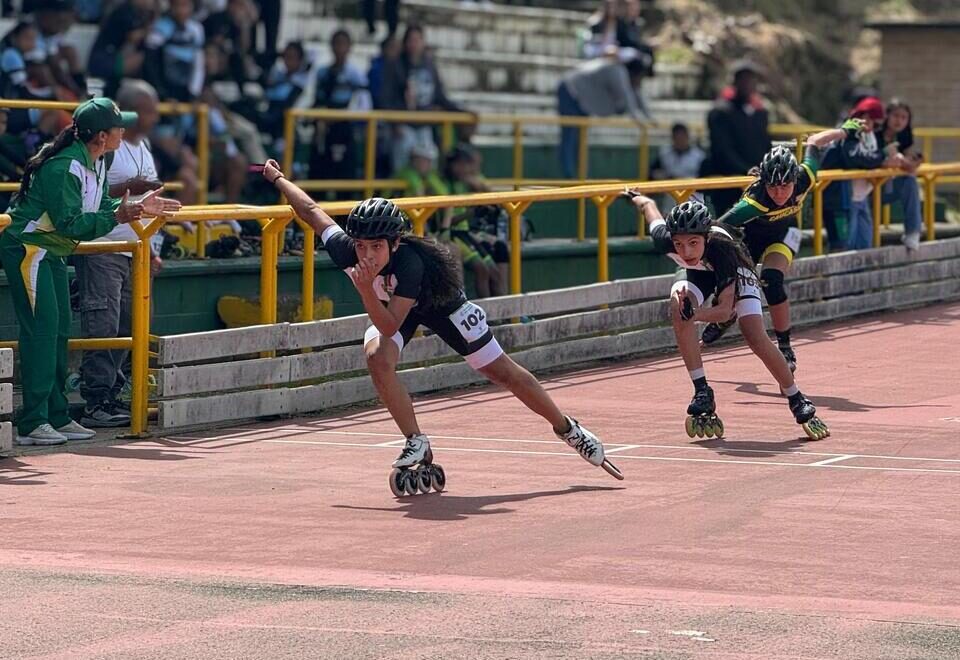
<point x="616" y="25"/>
<point x="599" y="88"/>
<point x="341" y="85"/>
<point x="681" y="160"/>
<point x="285" y="84"/>
<point x="20" y="41"/>
<point x="389" y="52"/>
<point x="232" y="31"/>
<point x="174" y="62"/>
<point x="55" y="18"/>
<point x="119" y="49"/>
<point x="481" y="250"/>
<point x="413" y="83"/>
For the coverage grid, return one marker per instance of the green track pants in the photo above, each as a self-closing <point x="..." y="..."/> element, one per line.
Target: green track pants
<point x="41" y="299"/>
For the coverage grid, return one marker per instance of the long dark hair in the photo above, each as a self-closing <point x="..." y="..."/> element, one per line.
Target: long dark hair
<point x="441" y="283"/>
<point x="64" y="139"/>
<point x="726" y="255"/>
<point x="907" y="133"/>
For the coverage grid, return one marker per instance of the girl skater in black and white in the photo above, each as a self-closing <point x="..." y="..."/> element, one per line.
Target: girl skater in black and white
<point x="715" y="264"/>
<point x="406" y="281"/>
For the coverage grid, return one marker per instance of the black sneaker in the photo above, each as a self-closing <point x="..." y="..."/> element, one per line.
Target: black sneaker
<point x="120" y="406"/>
<point x="104" y="415"/>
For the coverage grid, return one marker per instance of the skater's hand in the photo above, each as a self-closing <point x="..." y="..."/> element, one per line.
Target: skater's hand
<point x="636" y="198"/>
<point x="362" y="276"/>
<point x="272" y="171"/>
<point x="685" y="305"/>
<point x="853" y="127"/>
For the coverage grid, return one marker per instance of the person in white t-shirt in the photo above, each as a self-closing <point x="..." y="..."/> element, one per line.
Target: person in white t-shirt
<point x="106" y="280"/>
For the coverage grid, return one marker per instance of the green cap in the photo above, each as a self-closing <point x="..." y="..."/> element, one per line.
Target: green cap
<point x="101" y="114"/>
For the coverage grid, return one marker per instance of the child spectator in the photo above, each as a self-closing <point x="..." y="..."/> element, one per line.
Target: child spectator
<point x="174" y="62"/>
<point x="681" y="160"/>
<point x="339" y="85"/>
<point x="285" y="84"/>
<point x="119" y="50"/>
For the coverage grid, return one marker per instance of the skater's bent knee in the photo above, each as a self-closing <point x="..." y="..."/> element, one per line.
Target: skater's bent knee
<point x="774" y="289"/>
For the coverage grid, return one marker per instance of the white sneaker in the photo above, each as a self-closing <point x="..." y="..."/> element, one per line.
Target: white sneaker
<point x="42" y="436"/>
<point x="74" y="431"/>
<point x="585" y="442"/>
<point x="911" y="241"/>
<point x="416" y="450"/>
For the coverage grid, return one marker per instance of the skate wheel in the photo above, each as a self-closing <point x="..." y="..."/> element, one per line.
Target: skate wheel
<point x="612" y="470"/>
<point x="424" y="479"/>
<point x="396" y="482"/>
<point x="438" y="478"/>
<point x="815" y="429"/>
<point x="410" y="486"/>
<point x="708" y="429"/>
<point x="691" y="427"/>
<point x="718" y="428"/>
<point x="700" y="428"/>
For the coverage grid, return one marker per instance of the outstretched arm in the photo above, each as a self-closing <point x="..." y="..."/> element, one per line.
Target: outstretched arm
<point x="302" y="203"/>
<point x="656" y="225"/>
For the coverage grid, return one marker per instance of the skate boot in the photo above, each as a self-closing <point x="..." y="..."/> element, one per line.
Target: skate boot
<point x="789" y="356"/>
<point x="414" y="470"/>
<point x="714" y="331"/>
<point x="702" y="417"/>
<point x="806" y="415"/>
<point x="588" y="446"/>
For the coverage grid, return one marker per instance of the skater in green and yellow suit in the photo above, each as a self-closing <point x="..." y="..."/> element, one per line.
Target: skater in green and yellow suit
<point x="63" y="199"/>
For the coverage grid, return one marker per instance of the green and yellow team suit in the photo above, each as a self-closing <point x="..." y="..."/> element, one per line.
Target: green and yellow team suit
<point x="769" y="228"/>
<point x="66" y="201"/>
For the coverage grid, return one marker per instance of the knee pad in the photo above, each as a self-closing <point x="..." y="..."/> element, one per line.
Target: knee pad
<point x="774" y="290"/>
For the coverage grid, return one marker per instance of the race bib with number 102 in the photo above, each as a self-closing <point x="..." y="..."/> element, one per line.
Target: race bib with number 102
<point x="471" y="321"/>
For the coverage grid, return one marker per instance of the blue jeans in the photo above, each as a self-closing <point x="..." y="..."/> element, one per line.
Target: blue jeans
<point x="906" y="190"/>
<point x="860" y="226"/>
<point x="567" y="106"/>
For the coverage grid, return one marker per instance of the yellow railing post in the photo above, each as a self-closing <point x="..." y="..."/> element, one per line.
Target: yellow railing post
<point x="517" y="151"/>
<point x="446" y="136"/>
<point x="140" y="326"/>
<point x="419" y="219"/>
<point x="582" y="169"/>
<point x="818" y="216"/>
<point x="203" y="172"/>
<point x="877" y="209"/>
<point x="370" y="157"/>
<point x="515" y="211"/>
<point x="268" y="270"/>
<point x="309" y="265"/>
<point x="603" y="203"/>
<point x="929" y="205"/>
<point x="886" y="215"/>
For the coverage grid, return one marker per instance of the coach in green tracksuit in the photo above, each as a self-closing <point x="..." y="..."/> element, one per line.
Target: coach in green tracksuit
<point x="63" y="199"/>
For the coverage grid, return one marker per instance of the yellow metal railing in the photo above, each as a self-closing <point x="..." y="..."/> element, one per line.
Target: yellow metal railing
<point x="274" y="219"/>
<point x="200" y="110"/>
<point x="447" y="120"/>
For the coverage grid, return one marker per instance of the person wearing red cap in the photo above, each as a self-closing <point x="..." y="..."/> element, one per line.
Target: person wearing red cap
<point x="767" y="211"/>
<point x="871" y="155"/>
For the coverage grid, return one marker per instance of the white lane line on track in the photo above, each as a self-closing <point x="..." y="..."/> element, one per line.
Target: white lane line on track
<point x="626" y="456"/>
<point x="620" y="446"/>
<point x="835" y="459"/>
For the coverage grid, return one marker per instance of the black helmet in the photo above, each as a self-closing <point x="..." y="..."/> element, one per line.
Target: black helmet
<point x="376" y="218"/>
<point x="779" y="166"/>
<point x="689" y="218"/>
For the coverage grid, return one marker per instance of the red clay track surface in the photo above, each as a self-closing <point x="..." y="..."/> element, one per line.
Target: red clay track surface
<point x="284" y="541"/>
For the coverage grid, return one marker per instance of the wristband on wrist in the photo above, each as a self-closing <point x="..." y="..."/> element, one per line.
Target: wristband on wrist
<point x="277" y="178"/>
